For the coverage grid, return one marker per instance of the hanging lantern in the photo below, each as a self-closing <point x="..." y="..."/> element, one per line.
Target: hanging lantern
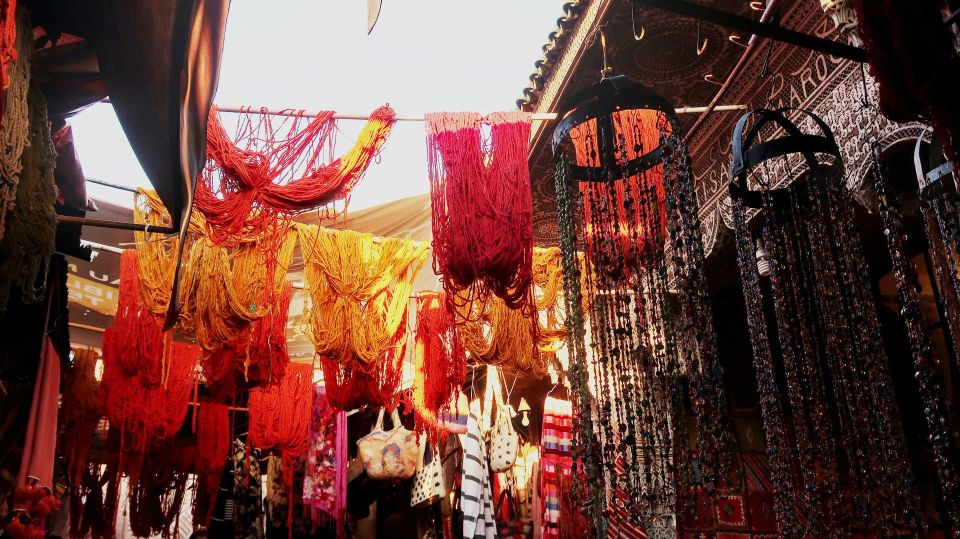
<point x="617" y="154"/>
<point x="629" y="225"/>
<point x="841" y="429"/>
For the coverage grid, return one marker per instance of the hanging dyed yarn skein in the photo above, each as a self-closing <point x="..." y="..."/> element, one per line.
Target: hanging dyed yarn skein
<point x="358" y="288"/>
<point x="481" y="205"/>
<point x="842" y="429"/>
<point x="223" y="290"/>
<point x="280" y="420"/>
<point x="273" y="169"/>
<point x="147" y="377"/>
<point x="439" y="364"/>
<point x="625" y="202"/>
<point x="518" y="342"/>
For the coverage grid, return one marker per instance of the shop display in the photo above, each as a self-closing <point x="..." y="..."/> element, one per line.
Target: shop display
<point x="631" y="326"/>
<point x="842" y="429"/>
<point x="625" y="200"/>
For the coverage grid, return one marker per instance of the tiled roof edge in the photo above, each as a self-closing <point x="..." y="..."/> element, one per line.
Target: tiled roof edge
<point x="552" y="49"/>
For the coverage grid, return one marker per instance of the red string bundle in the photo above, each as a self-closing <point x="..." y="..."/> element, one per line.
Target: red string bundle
<point x="645" y="189"/>
<point x="156" y="497"/>
<point x="79" y="418"/>
<point x="139" y="348"/>
<point x="482" y="207"/>
<point x="213" y="446"/>
<point x="269" y="170"/>
<point x="8" y="39"/>
<point x="257" y="357"/>
<point x="440" y="364"/>
<point x="213" y="436"/>
<point x="912" y="56"/>
<point x="280" y="415"/>
<point x="349" y="386"/>
<point x="147" y="377"/>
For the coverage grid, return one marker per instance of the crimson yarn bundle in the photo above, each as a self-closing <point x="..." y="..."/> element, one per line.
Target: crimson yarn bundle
<point x="213" y="436"/>
<point x="147" y="377"/>
<point x="276" y="168"/>
<point x="482" y="206"/>
<point x="349" y="386"/>
<point x="440" y="363"/>
<point x="139" y="348"/>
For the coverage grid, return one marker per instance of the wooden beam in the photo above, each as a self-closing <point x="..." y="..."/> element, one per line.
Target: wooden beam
<point x="139" y="227"/>
<point x="773" y="31"/>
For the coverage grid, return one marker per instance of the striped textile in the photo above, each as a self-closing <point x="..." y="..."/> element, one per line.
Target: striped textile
<point x="557" y="428"/>
<point x="622" y="524"/>
<point x="476" y="499"/>
<point x="555" y="461"/>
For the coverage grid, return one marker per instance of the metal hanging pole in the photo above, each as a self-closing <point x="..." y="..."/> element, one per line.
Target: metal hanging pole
<point x="536" y="117"/>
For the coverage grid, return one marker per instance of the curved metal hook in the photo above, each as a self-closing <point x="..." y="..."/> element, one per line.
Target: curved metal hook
<point x="633" y="23"/>
<point x="701" y="45"/>
<point x="735" y="39"/>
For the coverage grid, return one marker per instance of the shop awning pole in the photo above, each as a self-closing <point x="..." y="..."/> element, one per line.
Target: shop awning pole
<point x="120" y="225"/>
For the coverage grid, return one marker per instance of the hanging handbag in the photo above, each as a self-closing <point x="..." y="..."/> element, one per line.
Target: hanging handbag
<point x="509" y="523"/>
<point x="503" y="440"/>
<point x="428" y="482"/>
<point x="389" y="454"/>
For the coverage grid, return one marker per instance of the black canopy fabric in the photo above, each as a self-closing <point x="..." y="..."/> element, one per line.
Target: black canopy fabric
<point x="158" y="61"/>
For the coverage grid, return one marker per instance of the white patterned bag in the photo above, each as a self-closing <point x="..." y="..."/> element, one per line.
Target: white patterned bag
<point x="503" y="442"/>
<point x="428" y="481"/>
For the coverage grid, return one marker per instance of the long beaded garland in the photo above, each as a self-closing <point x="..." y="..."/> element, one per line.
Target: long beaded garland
<point x="638" y="340"/>
<point x="940" y="206"/>
<point x="838" y="458"/>
<point x="942" y="435"/>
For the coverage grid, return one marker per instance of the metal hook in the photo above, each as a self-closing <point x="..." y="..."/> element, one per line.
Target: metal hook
<point x="700" y="47"/>
<point x="607" y="70"/>
<point x="709" y="78"/>
<point x="758" y="6"/>
<point x="735" y="38"/>
<point x="633" y="22"/>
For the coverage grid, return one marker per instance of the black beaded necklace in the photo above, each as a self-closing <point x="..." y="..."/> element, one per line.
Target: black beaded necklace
<point x="835" y="444"/>
<point x="941" y="211"/>
<point x="625" y="202"/>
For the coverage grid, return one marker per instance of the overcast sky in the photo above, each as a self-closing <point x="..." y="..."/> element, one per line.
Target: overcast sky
<point x="423" y="56"/>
